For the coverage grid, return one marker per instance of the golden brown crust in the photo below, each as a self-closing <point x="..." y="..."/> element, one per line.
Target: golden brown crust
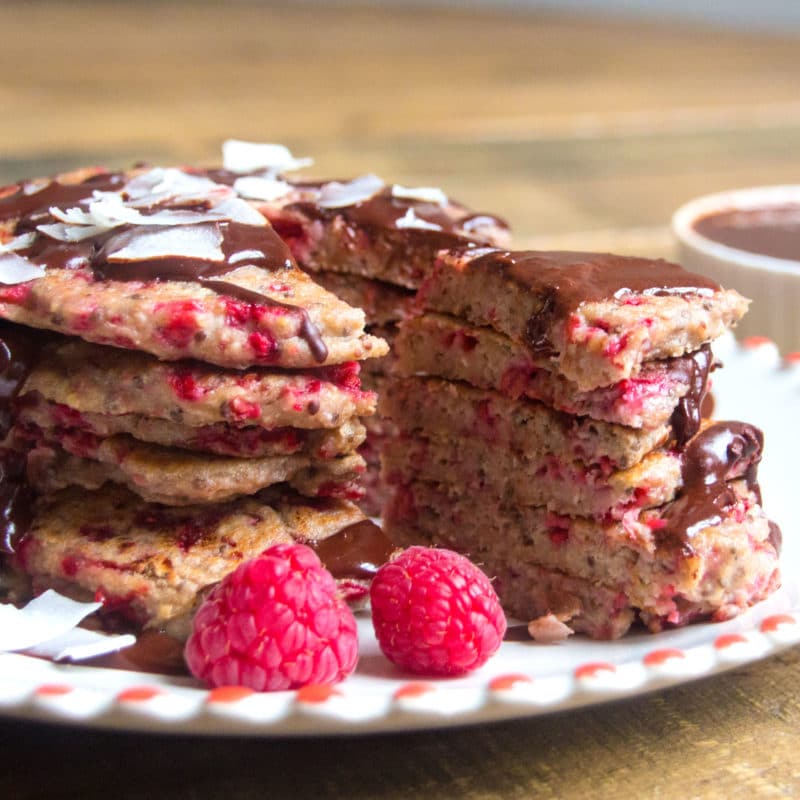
<point x="154" y="561"/>
<point x="106" y="380"/>
<point x="178" y="477"/>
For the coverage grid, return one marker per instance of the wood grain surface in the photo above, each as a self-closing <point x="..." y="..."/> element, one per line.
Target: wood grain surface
<point x="583" y="134"/>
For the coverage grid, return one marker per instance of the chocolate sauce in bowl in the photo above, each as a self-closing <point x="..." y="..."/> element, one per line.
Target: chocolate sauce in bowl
<point x="773" y="231"/>
<point x="566" y="280"/>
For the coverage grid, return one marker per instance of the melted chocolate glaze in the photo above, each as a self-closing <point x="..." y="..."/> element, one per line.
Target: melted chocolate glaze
<point x="241" y="244"/>
<point x="563" y="281"/>
<point x="723" y="452"/>
<point x="382" y="210"/>
<point x="31" y="209"/>
<point x="356" y="552"/>
<point x="693" y="369"/>
<point x="237" y="239"/>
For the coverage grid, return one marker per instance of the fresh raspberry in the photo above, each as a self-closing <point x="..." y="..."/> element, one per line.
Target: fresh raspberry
<point x="182" y="322"/>
<point x="274" y="623"/>
<point x="242" y="408"/>
<point x="435" y="613"/>
<point x="185" y="385"/>
<point x="264" y="346"/>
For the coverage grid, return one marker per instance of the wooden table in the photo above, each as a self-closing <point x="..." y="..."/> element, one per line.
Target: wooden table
<point x="583" y="134"/>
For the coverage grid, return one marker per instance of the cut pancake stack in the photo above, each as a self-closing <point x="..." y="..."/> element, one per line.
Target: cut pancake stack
<point x="196" y="398"/>
<point x="549" y="414"/>
<point x="371" y="245"/>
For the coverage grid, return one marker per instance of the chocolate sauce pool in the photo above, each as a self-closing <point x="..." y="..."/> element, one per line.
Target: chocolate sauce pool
<point x="773" y="231"/>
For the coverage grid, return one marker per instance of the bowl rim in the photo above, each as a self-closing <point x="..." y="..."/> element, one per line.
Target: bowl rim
<point x="744" y="199"/>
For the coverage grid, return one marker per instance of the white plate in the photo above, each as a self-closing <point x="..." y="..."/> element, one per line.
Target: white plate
<point x="523" y="679"/>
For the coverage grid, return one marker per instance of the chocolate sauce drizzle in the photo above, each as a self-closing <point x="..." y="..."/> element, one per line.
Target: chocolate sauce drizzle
<point x="692" y="369"/>
<point x="563" y="281"/>
<point x="721" y="453"/>
<point x="308" y="330"/>
<point x="241" y="244"/>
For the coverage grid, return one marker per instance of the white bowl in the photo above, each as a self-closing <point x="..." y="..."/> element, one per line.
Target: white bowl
<point x="773" y="284"/>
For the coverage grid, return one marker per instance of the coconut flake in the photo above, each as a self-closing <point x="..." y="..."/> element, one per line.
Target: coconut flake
<point x="162" y="186"/>
<point x="75" y="216"/>
<point x="47" y="627"/>
<point x="411" y="220"/>
<point x="16" y="269"/>
<point x="71" y="233"/>
<point x="108" y="212"/>
<point x="274" y="159"/>
<point x="256" y="188"/>
<point x="36" y="186"/>
<point x="339" y="195"/>
<point x="79" y="644"/>
<point x="474" y="224"/>
<point x="202" y="242"/>
<point x="425" y="194"/>
<point x="548" y="629"/>
<point x="17" y="243"/>
<point x="237" y="210"/>
<point x="169" y="191"/>
<point x="46" y="617"/>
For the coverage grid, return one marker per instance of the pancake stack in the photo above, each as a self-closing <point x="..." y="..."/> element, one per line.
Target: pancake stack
<point x="189" y="398"/>
<point x="370" y="244"/>
<point x="549" y="414"/>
